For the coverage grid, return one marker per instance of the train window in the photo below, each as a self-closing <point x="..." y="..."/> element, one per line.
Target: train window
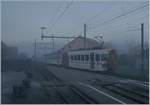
<point x="82" y="57"/>
<point x="92" y="57"/>
<point x="75" y="57"/>
<point x="86" y="57"/>
<point x="104" y="57"/>
<point x="72" y="57"/>
<point x="78" y="57"/>
<point x="97" y="57"/>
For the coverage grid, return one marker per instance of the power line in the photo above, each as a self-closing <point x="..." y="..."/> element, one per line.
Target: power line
<point x="102" y="11"/>
<point x="137" y="29"/>
<point x="126" y="31"/>
<point x="57" y="11"/>
<point x="64" y="33"/>
<point x="122" y="15"/>
<point x="129" y="26"/>
<point x="67" y="7"/>
<point x="125" y="26"/>
<point x="114" y="18"/>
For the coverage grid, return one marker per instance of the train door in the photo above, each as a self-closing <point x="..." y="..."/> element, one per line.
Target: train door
<point x="92" y="64"/>
<point x="65" y="60"/>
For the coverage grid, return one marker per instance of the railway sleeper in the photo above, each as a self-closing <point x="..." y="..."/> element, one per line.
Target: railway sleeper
<point x="52" y="86"/>
<point x="69" y="96"/>
<point x="132" y="90"/>
<point x="102" y="83"/>
<point x="128" y="94"/>
<point x="59" y="84"/>
<point x="61" y="95"/>
<point x="50" y="74"/>
<point x="84" y="96"/>
<point x="136" y="86"/>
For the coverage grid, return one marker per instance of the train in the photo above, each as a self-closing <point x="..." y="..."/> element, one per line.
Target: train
<point x="87" y="59"/>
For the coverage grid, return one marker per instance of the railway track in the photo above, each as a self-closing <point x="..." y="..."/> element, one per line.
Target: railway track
<point x="67" y="93"/>
<point x="52" y="94"/>
<point x="126" y="90"/>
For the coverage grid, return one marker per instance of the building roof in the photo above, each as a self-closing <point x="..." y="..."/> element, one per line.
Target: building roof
<point x="78" y="43"/>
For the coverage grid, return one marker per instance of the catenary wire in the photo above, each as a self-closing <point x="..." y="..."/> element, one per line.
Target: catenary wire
<point x="61" y="15"/>
<point x="122" y="15"/>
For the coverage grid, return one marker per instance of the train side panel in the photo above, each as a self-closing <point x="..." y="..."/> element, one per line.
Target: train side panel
<point x="112" y="60"/>
<point x="81" y="64"/>
<point x="94" y="60"/>
<point x="65" y="60"/>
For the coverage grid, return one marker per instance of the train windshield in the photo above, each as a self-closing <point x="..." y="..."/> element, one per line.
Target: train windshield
<point x="104" y="57"/>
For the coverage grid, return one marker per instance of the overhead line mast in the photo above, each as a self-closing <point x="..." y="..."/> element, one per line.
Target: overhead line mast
<point x="67" y="37"/>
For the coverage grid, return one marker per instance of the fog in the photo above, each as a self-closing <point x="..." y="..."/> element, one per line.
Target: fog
<point x="21" y="22"/>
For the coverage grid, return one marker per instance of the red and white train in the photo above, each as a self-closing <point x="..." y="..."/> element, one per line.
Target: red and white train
<point x="89" y="59"/>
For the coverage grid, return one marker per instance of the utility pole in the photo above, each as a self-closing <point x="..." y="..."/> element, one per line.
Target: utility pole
<point x="142" y="48"/>
<point x="35" y="50"/>
<point x="84" y="36"/>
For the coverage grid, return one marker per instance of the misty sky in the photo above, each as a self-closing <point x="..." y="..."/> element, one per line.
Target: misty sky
<point x="21" y="21"/>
